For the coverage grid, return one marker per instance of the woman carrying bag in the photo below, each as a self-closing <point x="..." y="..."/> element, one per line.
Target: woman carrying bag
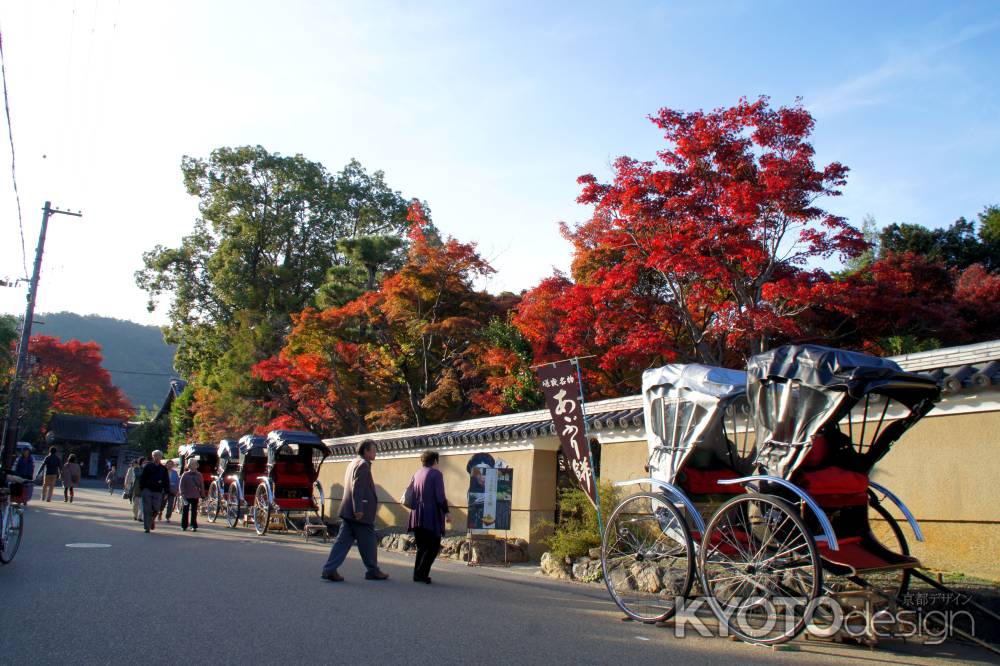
<point x="70" y="477"/>
<point x="428" y="513"/>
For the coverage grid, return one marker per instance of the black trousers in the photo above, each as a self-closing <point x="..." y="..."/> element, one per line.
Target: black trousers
<point x="428" y="546"/>
<point x="190" y="508"/>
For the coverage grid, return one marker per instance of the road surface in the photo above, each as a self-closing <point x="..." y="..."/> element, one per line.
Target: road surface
<point x="228" y="596"/>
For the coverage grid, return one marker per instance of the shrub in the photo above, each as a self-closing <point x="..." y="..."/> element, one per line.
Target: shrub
<point x="577" y="531"/>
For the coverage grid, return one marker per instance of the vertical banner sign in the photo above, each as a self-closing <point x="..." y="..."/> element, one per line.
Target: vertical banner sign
<point x="564" y="398"/>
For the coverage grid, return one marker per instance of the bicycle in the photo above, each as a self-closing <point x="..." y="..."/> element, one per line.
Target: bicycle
<point x="11" y="514"/>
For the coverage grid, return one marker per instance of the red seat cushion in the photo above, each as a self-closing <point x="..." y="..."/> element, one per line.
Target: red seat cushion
<point x="834" y="487"/>
<point x="292" y="475"/>
<point x="292" y="481"/>
<point x="294" y="503"/>
<point x="703" y="481"/>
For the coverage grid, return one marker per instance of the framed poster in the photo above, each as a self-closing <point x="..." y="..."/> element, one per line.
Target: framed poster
<point x="491" y="486"/>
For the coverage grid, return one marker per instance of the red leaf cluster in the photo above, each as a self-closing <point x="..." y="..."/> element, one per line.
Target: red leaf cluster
<point x="71" y="373"/>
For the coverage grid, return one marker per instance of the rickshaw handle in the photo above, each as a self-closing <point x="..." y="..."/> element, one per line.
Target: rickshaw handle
<point x="824" y="522"/>
<point x="902" y="507"/>
<point x="674" y="493"/>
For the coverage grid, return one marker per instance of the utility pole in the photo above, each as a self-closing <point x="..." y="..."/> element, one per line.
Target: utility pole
<point x="10" y="426"/>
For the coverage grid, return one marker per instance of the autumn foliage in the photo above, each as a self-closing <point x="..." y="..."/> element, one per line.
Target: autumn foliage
<point x="703" y="254"/>
<point x="717" y="249"/>
<point x="71" y="373"/>
<point x="408" y="353"/>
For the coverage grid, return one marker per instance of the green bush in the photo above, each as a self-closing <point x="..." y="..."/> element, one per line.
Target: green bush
<point x="577" y="531"/>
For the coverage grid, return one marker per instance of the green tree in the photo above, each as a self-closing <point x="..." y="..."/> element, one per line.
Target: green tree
<point x="182" y="418"/>
<point x="869" y="229"/>
<point x="989" y="229"/>
<point x="270" y="229"/>
<point x="151" y="434"/>
<point x="956" y="246"/>
<point x="368" y="259"/>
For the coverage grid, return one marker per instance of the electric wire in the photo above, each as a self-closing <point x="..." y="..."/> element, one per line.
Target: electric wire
<point x="136" y="372"/>
<point x="13" y="162"/>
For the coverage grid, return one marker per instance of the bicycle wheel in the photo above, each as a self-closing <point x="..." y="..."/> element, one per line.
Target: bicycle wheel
<point x="760" y="568"/>
<point x="13" y="530"/>
<point x="647" y="557"/>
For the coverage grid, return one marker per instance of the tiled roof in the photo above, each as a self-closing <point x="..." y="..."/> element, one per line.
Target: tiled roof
<point x="177" y="386"/>
<point x="616" y="413"/>
<point x="955" y="368"/>
<point x="66" y="427"/>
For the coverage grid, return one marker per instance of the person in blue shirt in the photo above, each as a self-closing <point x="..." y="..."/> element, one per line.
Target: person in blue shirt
<point x="170" y="498"/>
<point x="25" y="468"/>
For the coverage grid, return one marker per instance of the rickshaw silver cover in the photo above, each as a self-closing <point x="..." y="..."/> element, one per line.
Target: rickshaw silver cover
<point x="684" y="406"/>
<point x="795" y="390"/>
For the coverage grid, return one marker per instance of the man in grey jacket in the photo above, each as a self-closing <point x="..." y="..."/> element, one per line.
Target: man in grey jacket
<point x="357" y="518"/>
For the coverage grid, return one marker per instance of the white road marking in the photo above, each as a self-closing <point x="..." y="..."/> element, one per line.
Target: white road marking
<point x="88" y="545"/>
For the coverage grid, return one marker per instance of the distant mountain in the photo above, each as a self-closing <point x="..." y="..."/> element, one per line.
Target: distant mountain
<point x="140" y="363"/>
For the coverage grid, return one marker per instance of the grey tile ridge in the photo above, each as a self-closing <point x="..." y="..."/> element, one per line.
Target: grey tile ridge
<point x="979" y="352"/>
<point x="518" y="418"/>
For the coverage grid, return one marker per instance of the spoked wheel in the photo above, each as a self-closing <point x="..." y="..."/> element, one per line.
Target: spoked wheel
<point x="233" y="506"/>
<point x="319" y="501"/>
<point x="214" y="502"/>
<point x="13" y="530"/>
<point x="261" y="511"/>
<point x="647" y="557"/>
<point x="896" y="583"/>
<point x="760" y="568"/>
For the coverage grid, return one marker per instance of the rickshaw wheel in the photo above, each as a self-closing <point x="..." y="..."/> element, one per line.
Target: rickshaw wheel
<point x="233" y="506"/>
<point x="891" y="536"/>
<point x="647" y="557"/>
<point x="214" y="502"/>
<point x="318" y="501"/>
<point x="261" y="511"/>
<point x="760" y="569"/>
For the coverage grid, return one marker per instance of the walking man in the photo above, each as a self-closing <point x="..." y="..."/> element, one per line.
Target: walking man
<point x="171" y="497"/>
<point x="154" y="482"/>
<point x="357" y="518"/>
<point x="52" y="466"/>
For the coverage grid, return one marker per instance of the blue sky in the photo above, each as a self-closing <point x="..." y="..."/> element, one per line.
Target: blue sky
<point x="487" y="111"/>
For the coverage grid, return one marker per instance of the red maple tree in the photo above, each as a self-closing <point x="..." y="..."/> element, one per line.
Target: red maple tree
<point x="71" y="373"/>
<point x="703" y="255"/>
<point x="404" y="354"/>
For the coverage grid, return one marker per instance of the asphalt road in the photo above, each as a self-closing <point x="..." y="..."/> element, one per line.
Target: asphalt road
<point x="228" y="596"/>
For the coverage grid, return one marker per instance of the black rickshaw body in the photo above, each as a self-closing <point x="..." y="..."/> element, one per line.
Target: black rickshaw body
<point x="207" y="457"/>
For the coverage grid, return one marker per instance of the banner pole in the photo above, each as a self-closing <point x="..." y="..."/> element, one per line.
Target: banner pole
<point x="590" y="452"/>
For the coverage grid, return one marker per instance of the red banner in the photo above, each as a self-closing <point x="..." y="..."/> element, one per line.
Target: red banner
<point x="564" y="398"/>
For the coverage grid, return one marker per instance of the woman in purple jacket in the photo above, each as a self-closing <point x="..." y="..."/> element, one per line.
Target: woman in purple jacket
<point x="428" y="515"/>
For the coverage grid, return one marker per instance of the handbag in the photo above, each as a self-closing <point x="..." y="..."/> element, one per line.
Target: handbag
<point x="407" y="498"/>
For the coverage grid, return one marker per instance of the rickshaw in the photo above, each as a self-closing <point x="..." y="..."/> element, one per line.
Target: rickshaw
<point x="228" y="464"/>
<point x="242" y="485"/>
<point x="822" y="418"/>
<point x="695" y="429"/>
<point x="290" y="487"/>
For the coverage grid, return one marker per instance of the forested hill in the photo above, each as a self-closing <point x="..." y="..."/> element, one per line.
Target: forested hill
<point x="127" y="347"/>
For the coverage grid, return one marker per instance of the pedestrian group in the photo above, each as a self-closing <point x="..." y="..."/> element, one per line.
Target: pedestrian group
<point x="153" y="488"/>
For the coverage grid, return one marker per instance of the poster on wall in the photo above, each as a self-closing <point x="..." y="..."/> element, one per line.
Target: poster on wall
<point x="491" y="486"/>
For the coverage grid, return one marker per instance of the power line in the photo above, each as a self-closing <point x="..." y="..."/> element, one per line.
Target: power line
<point x="13" y="170"/>
<point x="136" y="372"/>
